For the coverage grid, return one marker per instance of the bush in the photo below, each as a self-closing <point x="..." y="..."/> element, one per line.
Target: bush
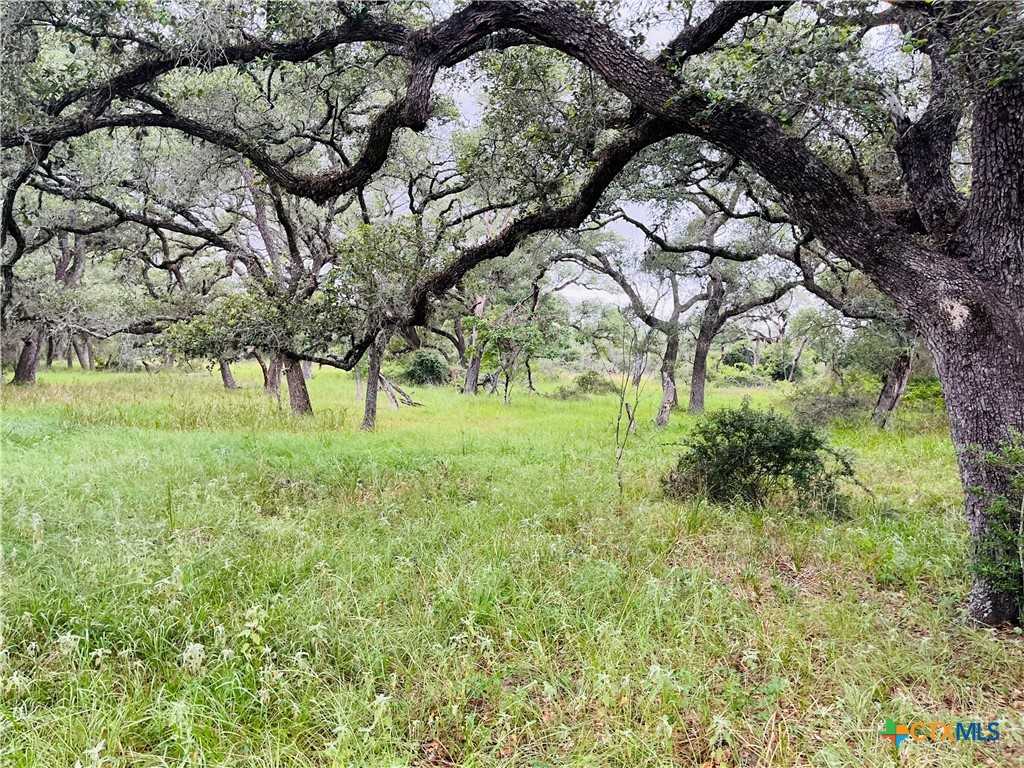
<point x="924" y="393"/>
<point x="593" y="383"/>
<point x="820" y="404"/>
<point x="567" y="393"/>
<point x="776" y="364"/>
<point x="741" y="375"/>
<point x="426" y="367"/>
<point x="748" y="455"/>
<point x="738" y="355"/>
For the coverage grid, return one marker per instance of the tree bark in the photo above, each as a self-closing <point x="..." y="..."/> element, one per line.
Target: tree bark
<point x="307" y="369"/>
<point x="225" y="374"/>
<point x="81" y="352"/>
<point x="892" y="388"/>
<point x="460" y="341"/>
<point x="796" y="359"/>
<point x="374" y="354"/>
<point x="529" y="377"/>
<point x="980" y="361"/>
<point x="473" y="369"/>
<point x="51" y="349"/>
<point x="711" y="322"/>
<point x="700" y="372"/>
<point x="272" y="376"/>
<point x="669" y="392"/>
<point x="28" y="359"/>
<point x="298" y="395"/>
<point x="472" y="374"/>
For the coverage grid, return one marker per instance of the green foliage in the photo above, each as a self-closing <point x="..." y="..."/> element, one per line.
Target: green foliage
<point x="777" y="363"/>
<point x="998" y="556"/>
<point x="593" y="383"/>
<point x="820" y="403"/>
<point x="740" y="375"/>
<point x="229" y="327"/>
<point x="924" y="393"/>
<point x="586" y="383"/>
<point x="739" y="354"/>
<point x="750" y="455"/>
<point x="235" y="324"/>
<point x="426" y="366"/>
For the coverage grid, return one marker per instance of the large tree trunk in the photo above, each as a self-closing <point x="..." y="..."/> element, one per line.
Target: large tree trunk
<point x="669" y="392"/>
<point x="975" y="329"/>
<point x="298" y="395"/>
<point x="372" y="386"/>
<point x="225" y="374"/>
<point x="28" y="359"/>
<point x="892" y="388"/>
<point x="982" y="374"/>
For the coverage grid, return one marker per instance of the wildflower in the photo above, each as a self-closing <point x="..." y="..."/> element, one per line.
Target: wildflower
<point x="17" y="682"/>
<point x="192" y="658"/>
<point x="67" y="644"/>
<point x="94" y="753"/>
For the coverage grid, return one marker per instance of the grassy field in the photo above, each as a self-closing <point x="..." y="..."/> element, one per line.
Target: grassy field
<point x="191" y="577"/>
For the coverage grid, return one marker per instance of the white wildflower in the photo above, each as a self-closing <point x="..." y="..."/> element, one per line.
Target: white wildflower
<point x="67" y="644"/>
<point x="192" y="657"/>
<point x="94" y="754"/>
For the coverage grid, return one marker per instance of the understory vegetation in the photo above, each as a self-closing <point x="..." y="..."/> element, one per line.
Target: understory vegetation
<point x="194" y="577"/>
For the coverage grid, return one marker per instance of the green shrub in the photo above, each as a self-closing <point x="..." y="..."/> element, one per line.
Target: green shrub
<point x="738" y="355"/>
<point x="748" y="455"/>
<point x="997" y="556"/>
<point x="924" y="393"/>
<point x="426" y="367"/>
<point x="567" y="393"/>
<point x="821" y="403"/>
<point x="593" y="383"/>
<point x="741" y="375"/>
<point x="777" y="364"/>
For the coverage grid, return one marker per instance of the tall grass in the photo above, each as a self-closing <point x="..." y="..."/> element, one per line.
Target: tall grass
<point x="194" y="577"/>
